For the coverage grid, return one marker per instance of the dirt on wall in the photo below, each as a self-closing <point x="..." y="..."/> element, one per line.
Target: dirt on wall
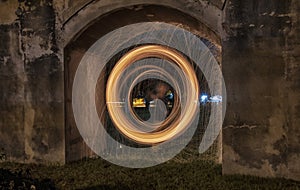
<point x="260" y="62"/>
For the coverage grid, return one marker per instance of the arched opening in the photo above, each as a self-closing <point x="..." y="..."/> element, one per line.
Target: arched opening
<point x="76" y="148"/>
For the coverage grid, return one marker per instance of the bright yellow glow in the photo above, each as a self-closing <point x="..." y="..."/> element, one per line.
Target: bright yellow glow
<point x="138" y="103"/>
<point x="178" y="119"/>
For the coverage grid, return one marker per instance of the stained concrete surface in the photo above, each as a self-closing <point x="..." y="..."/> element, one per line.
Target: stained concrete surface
<point x="31" y="85"/>
<point x="260" y="62"/>
<point x="261" y="71"/>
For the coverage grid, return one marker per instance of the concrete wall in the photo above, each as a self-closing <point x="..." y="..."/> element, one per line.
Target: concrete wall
<point x="260" y="61"/>
<point x="31" y="73"/>
<point x="261" y="66"/>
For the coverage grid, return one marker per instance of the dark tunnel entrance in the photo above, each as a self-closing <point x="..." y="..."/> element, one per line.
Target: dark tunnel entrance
<point x="75" y="146"/>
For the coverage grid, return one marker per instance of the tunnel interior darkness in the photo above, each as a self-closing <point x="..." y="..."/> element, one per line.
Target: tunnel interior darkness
<point x="75" y="147"/>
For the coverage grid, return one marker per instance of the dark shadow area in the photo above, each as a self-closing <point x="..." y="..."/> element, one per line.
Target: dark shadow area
<point x="22" y="179"/>
<point x="107" y="187"/>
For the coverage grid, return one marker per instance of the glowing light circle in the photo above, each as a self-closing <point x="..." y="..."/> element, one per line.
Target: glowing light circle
<point x="176" y="126"/>
<point x="96" y="58"/>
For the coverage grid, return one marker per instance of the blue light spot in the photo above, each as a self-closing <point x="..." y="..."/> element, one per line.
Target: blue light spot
<point x="204" y="98"/>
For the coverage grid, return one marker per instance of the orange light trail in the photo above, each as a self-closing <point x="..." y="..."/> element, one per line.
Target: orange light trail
<point x="180" y="117"/>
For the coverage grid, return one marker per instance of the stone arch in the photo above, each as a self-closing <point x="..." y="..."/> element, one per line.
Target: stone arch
<point x="94" y="19"/>
<point x="80" y="14"/>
